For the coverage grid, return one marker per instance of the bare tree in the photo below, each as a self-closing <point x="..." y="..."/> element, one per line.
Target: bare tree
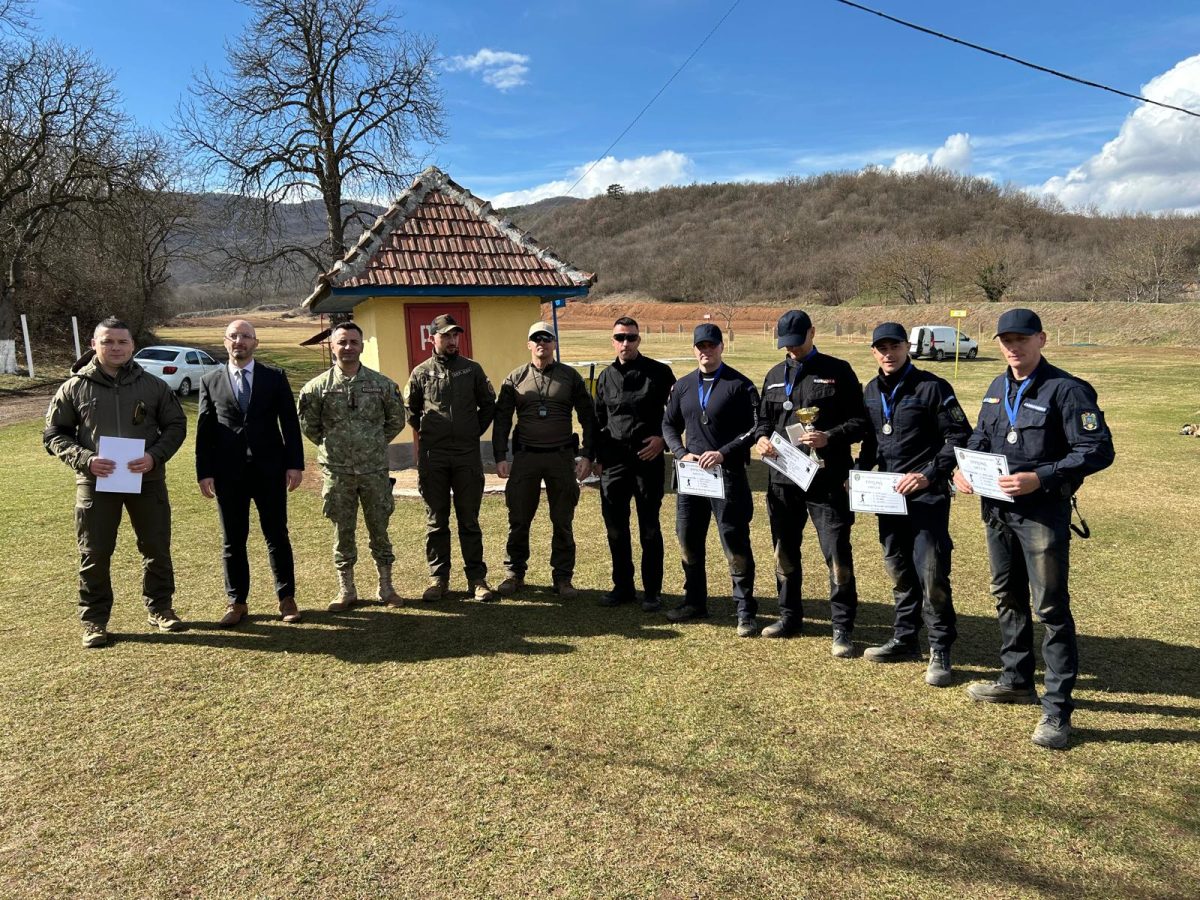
<point x="62" y="149"/>
<point x="911" y="270"/>
<point x="991" y="267"/>
<point x="728" y="290"/>
<point x="1154" y="260"/>
<point x="321" y="99"/>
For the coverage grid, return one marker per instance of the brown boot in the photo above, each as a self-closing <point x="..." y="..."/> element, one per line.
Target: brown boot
<point x="347" y="592"/>
<point x="234" y="613"/>
<point x="565" y="589"/>
<point x="482" y="591"/>
<point x="510" y="585"/>
<point x="436" y="590"/>
<point x="387" y="593"/>
<point x="288" y="611"/>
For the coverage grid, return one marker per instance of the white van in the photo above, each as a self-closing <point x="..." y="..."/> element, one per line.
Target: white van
<point x="937" y="342"/>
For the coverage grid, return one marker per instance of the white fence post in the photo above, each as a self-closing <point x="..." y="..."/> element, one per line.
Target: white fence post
<point x="28" y="349"/>
<point x="75" y="329"/>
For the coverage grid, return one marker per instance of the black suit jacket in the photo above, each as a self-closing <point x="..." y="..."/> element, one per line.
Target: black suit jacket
<point x="270" y="430"/>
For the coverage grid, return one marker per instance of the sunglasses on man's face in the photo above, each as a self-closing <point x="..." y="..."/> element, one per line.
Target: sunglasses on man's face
<point x="542" y="339"/>
<point x="630" y="338"/>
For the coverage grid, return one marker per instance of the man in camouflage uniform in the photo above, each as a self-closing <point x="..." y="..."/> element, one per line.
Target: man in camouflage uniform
<point x="450" y="404"/>
<point x="109" y="395"/>
<point x="352" y="413"/>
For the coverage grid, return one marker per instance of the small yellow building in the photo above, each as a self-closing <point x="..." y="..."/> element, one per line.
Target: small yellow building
<point x="440" y="249"/>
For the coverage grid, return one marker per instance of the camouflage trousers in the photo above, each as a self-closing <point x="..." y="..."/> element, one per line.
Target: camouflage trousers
<point x="343" y="494"/>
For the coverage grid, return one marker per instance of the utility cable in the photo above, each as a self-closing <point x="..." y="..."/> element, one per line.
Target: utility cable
<point x="1018" y="61"/>
<point x="650" y="103"/>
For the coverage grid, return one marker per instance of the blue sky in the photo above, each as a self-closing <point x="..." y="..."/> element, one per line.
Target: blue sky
<point x="535" y="91"/>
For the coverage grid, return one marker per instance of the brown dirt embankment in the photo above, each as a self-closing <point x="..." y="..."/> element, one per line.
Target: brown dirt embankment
<point x="1165" y="324"/>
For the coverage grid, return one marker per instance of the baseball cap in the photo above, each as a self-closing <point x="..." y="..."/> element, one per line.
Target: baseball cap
<point x="889" y="331"/>
<point x="707" y="332"/>
<point x="1018" y="321"/>
<point x="444" y="324"/>
<point x="793" y="328"/>
<point x="541" y="328"/>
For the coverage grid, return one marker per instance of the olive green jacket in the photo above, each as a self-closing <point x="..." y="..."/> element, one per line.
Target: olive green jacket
<point x="450" y="403"/>
<point x="90" y="405"/>
<point x="351" y="420"/>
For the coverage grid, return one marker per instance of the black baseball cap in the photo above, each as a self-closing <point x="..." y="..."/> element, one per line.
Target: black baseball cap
<point x="793" y="328"/>
<point x="889" y="331"/>
<point x="707" y="332"/>
<point x="1018" y="321"/>
<point x="444" y="324"/>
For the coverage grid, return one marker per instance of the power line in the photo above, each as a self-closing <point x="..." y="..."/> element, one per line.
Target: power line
<point x="650" y="103"/>
<point x="1018" y="61"/>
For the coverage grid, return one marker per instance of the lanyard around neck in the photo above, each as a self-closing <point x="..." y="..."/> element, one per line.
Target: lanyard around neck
<point x="1014" y="407"/>
<point x="789" y="384"/>
<point x="889" y="400"/>
<point x="704" y="396"/>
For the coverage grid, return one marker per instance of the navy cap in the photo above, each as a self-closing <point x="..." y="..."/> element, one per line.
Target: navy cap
<point x="1018" y="321"/>
<point x="889" y="331"/>
<point x="793" y="328"/>
<point x="444" y="324"/>
<point x="707" y="332"/>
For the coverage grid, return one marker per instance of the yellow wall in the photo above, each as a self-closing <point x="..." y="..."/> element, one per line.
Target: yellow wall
<point x="499" y="328"/>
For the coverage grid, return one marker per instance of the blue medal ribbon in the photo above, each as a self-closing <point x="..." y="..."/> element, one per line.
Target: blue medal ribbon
<point x="1013" y="408"/>
<point x="891" y="398"/>
<point x="701" y="394"/>
<point x="789" y="384"/>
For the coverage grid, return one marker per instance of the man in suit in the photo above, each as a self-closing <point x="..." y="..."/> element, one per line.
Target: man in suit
<point x="248" y="447"/>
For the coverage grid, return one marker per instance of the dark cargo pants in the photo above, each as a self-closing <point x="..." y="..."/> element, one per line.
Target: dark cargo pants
<point x="523" y="493"/>
<point x="1029" y="553"/>
<point x="789" y="508"/>
<point x="97" y="520"/>
<point x="641" y="483"/>
<point x="733" y="515"/>
<point x="916" y="555"/>
<point x="445" y="478"/>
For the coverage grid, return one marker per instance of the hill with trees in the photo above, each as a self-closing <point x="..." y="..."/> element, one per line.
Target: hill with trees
<point x="865" y="237"/>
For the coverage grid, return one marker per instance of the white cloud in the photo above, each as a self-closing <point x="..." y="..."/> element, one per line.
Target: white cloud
<point x="640" y="173"/>
<point x="499" y="68"/>
<point x="1153" y="164"/>
<point x="954" y="155"/>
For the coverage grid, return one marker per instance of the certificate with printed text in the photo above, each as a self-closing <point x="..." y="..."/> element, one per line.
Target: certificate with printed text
<point x="875" y="492"/>
<point x="690" y="478"/>
<point x="983" y="471"/>
<point x="793" y="464"/>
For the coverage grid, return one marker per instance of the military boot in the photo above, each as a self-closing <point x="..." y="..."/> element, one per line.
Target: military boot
<point x="436" y="590"/>
<point x="347" y="592"/>
<point x="387" y="593"/>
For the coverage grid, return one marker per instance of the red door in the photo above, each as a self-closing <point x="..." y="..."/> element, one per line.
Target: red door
<point x="418" y="316"/>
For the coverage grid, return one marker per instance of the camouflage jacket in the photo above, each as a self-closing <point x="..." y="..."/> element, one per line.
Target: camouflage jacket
<point x="351" y="420"/>
<point x="450" y="403"/>
<point x="90" y="405"/>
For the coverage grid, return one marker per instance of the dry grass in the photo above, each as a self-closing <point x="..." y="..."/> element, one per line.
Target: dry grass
<point x="541" y="747"/>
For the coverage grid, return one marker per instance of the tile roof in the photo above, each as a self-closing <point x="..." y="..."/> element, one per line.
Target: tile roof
<point x="439" y="233"/>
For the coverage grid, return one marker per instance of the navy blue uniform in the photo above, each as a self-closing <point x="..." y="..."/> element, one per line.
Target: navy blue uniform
<point x="732" y="412"/>
<point x="630" y="399"/>
<point x="918" y="432"/>
<point x="830" y="385"/>
<point x="1061" y="436"/>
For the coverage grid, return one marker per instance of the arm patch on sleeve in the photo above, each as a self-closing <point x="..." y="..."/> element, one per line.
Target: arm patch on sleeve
<point x="1089" y="420"/>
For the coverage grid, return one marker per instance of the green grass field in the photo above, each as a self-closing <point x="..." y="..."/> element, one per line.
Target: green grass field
<point x="538" y="747"/>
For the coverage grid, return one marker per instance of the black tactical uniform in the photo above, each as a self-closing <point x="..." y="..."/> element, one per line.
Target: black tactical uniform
<point x="630" y="399"/>
<point x="917" y="422"/>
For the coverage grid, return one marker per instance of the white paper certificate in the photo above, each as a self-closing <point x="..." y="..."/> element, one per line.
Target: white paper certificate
<point x="691" y="479"/>
<point x="982" y="471"/>
<point x="875" y="492"/>
<point x="793" y="464"/>
<point x="122" y="451"/>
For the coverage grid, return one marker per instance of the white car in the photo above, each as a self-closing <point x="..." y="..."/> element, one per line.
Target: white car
<point x="180" y="367"/>
<point x="937" y="342"/>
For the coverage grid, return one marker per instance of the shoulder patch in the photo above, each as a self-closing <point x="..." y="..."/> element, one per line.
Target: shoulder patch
<point x="991" y="399"/>
<point x="1089" y="420"/>
<point x="956" y="412"/>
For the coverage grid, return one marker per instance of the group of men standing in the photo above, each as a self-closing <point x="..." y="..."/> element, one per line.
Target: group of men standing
<point x="1045" y="422"/>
